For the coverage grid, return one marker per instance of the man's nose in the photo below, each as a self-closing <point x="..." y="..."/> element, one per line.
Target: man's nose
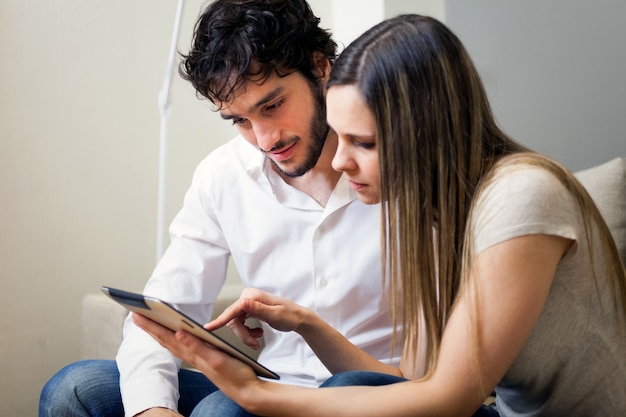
<point x="267" y="134"/>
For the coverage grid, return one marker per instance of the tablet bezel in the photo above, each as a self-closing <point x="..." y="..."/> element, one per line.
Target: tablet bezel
<point x="168" y="316"/>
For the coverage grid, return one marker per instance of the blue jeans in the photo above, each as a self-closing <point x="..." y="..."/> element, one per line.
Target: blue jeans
<point x="91" y="388"/>
<point x="217" y="404"/>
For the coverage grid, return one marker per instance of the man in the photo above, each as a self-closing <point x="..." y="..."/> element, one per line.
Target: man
<point x="270" y="199"/>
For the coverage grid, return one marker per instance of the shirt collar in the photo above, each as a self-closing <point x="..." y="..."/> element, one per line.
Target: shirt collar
<point x="288" y="196"/>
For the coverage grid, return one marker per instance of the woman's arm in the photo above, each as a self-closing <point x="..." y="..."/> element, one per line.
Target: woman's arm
<point x="512" y="281"/>
<point x="335" y="351"/>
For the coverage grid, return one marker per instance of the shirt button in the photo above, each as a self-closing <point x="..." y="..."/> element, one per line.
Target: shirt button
<point x="323" y="283"/>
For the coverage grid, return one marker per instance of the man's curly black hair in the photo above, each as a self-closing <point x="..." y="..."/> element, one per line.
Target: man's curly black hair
<point x="236" y="41"/>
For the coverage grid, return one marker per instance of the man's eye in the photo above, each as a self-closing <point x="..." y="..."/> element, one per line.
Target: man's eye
<point x="238" y="121"/>
<point x="274" y="106"/>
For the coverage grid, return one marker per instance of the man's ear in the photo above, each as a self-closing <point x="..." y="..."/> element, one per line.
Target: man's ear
<point x="321" y="65"/>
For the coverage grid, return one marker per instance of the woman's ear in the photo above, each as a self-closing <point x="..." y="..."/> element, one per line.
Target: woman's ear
<point x="321" y="66"/>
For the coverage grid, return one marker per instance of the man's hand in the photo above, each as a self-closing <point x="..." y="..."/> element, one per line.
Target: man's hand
<point x="158" y="412"/>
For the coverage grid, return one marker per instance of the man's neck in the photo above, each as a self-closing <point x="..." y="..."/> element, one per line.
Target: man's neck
<point x="320" y="181"/>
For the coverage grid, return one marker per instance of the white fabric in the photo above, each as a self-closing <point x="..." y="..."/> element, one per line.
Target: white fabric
<point x="606" y="184"/>
<point x="282" y="241"/>
<point x="574" y="363"/>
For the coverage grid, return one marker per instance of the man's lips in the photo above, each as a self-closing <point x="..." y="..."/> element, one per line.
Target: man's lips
<point x="283" y="154"/>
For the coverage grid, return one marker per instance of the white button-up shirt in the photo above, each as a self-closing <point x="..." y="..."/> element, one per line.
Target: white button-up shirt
<point x="281" y="241"/>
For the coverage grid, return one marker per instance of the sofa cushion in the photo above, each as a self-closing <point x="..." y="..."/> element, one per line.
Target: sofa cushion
<point x="606" y="184"/>
<point x="102" y="322"/>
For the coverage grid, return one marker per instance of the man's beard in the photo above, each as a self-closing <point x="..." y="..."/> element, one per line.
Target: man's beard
<point x="317" y="132"/>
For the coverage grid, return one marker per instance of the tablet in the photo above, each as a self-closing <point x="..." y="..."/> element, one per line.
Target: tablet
<point x="168" y="316"/>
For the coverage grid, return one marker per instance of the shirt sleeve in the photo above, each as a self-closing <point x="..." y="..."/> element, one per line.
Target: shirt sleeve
<point x="523" y="200"/>
<point x="190" y="275"/>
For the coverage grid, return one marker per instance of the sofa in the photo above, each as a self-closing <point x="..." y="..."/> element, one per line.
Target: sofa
<point x="102" y="318"/>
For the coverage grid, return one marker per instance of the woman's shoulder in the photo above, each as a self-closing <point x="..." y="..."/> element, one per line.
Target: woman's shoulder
<point x="521" y="181"/>
<point x="523" y="197"/>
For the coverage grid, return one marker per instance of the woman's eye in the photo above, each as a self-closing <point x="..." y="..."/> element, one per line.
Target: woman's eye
<point x="366" y="145"/>
<point x="238" y="121"/>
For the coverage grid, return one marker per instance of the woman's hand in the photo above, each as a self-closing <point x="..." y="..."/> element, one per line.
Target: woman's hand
<point x="335" y="351"/>
<point x="280" y="313"/>
<point x="159" y="412"/>
<point x="231" y="375"/>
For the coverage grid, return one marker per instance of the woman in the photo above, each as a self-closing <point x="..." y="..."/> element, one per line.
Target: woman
<point x="507" y="276"/>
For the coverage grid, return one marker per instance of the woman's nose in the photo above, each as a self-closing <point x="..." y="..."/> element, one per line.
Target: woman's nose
<point x="341" y="160"/>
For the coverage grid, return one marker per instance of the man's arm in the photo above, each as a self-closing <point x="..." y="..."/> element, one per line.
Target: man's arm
<point x="189" y="275"/>
<point x="148" y="373"/>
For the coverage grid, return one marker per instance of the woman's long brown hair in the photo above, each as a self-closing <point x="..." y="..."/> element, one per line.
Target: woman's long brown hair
<point x="437" y="139"/>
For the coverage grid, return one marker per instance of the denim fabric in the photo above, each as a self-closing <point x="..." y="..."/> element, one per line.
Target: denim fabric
<point x="91" y="388"/>
<point x="219" y="405"/>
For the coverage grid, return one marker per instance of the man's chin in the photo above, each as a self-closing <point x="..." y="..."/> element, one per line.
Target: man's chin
<point x="290" y="170"/>
<point x="293" y="174"/>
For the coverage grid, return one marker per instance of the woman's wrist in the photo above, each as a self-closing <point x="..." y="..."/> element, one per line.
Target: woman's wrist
<point x="254" y="398"/>
<point x="308" y="322"/>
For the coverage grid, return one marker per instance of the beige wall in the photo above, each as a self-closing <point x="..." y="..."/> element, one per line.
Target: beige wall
<point x="79" y="137"/>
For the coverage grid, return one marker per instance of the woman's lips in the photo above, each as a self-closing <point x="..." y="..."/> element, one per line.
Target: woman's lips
<point x="357" y="186"/>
